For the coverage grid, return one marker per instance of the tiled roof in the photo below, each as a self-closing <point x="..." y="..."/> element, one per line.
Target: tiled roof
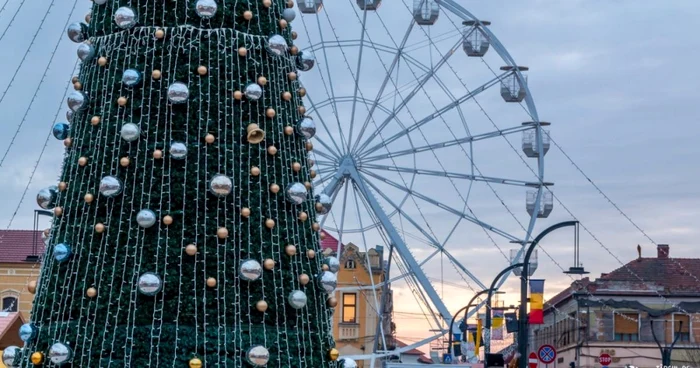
<point x="675" y="275"/>
<point x="7" y="322"/>
<point x="401" y="344"/>
<point x="329" y="242"/>
<point x="425" y="360"/>
<point x="16" y="245"/>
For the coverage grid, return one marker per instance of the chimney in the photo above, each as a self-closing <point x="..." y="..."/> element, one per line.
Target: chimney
<point x="662" y="251"/>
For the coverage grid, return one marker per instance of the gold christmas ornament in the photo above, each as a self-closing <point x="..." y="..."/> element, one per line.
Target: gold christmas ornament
<point x="301" y="109"/>
<point x="309" y="146"/>
<point x="272" y="150"/>
<point x="248" y="15"/>
<point x="124" y="161"/>
<point x="310" y="162"/>
<point x="303" y="279"/>
<point x="91" y="292"/>
<point x="303" y="216"/>
<point x="286" y="96"/>
<point x="102" y="61"/>
<point x="270" y="112"/>
<point x="82" y="161"/>
<point x="95" y="120"/>
<point x="269" y="264"/>
<point x="160" y="34"/>
<point x="156" y="74"/>
<point x="267" y="3"/>
<point x="302" y="92"/>
<point x="191" y="249"/>
<point x="261" y="306"/>
<point x="211" y="282"/>
<point x="31" y="286"/>
<point x="202" y="70"/>
<point x="292" y="76"/>
<point x="332" y="302"/>
<point x="291" y="250"/>
<point x="245" y="212"/>
<point x="255" y="171"/>
<point x="325" y="267"/>
<point x="121" y="101"/>
<point x="209" y="138"/>
<point x="88" y="17"/>
<point x="58" y="211"/>
<point x="99" y="228"/>
<point x="294" y="50"/>
<point x="283" y="24"/>
<point x="290" y="4"/>
<point x="222" y="233"/>
<point x="255" y="134"/>
<point x="296" y="166"/>
<point x="167" y="220"/>
<point x="270" y="223"/>
<point x="288" y="130"/>
<point x="312" y="173"/>
<point x="274" y="188"/>
<point x="37" y="358"/>
<point x="262" y="81"/>
<point x="77" y="86"/>
<point x="242" y="51"/>
<point x="238" y="95"/>
<point x="311" y="254"/>
<point x="195" y="363"/>
<point x="75" y="79"/>
<point x="89" y="198"/>
<point x="62" y="186"/>
<point x="157" y="154"/>
<point x="294" y="35"/>
<point x="323" y="235"/>
<point x="68" y="142"/>
<point x="316" y="226"/>
<point x="334" y="354"/>
<point x="308" y="185"/>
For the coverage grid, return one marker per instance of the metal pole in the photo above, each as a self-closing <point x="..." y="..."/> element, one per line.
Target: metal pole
<point x="466" y="313"/>
<point x="487" y="324"/>
<point x="522" y="320"/>
<point x="385" y="291"/>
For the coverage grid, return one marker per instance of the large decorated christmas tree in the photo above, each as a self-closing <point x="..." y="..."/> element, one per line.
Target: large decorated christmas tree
<point x="184" y="228"/>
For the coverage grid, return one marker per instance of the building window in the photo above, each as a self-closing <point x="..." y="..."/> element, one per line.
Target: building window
<point x="626" y="326"/>
<point x="681" y="322"/>
<point x="350" y="264"/>
<point x="349" y="308"/>
<point x="9" y="304"/>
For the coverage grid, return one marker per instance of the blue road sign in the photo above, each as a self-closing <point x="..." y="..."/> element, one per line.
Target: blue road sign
<point x="547" y="354"/>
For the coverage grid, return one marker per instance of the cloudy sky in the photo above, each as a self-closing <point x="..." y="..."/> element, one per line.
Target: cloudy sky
<point x="617" y="79"/>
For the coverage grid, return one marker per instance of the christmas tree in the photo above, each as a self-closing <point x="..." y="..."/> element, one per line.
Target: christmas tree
<point x="183" y="231"/>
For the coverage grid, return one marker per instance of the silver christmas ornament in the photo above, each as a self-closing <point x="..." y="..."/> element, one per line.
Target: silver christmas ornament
<point x="332" y="263"/>
<point x="178" y="150"/>
<point x="277" y="45"/>
<point x="258" y="356"/>
<point x="253" y="91"/>
<point x="289" y="14"/>
<point x="60" y="131"/>
<point x="77" y="32"/>
<point x="328" y="281"/>
<point x="221" y="185"/>
<point x="77" y="101"/>
<point x="110" y="186"/>
<point x="27" y="332"/>
<point x="251" y="270"/>
<point x="326" y="203"/>
<point x="297" y="299"/>
<point x="178" y="93"/>
<point x="69" y="115"/>
<point x="206" y="8"/>
<point x="86" y="52"/>
<point x="150" y="284"/>
<point x="306" y="61"/>
<point x="100" y="2"/>
<point x="9" y="355"/>
<point x="60" y="353"/>
<point x="131" y="77"/>
<point x="61" y="252"/>
<point x="125" y="17"/>
<point x="146" y="218"/>
<point x="306" y="127"/>
<point x="46" y="198"/>
<point x="348" y="363"/>
<point x="130" y="132"/>
<point x="296" y="193"/>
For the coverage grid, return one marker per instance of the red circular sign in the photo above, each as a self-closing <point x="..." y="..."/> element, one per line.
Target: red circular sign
<point x="532" y="360"/>
<point x="605" y="359"/>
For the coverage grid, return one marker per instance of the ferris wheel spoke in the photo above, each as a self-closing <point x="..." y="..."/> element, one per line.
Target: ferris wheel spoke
<point x="444" y="207"/>
<point x="448" y="174"/>
<point x="453" y="142"/>
<point x="435" y="114"/>
<point x="324" y="154"/>
<point x="336" y="152"/>
<point x="408" y="98"/>
<point x="357" y="77"/>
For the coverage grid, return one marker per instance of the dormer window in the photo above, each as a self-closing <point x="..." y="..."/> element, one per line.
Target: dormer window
<point x="350" y="264"/>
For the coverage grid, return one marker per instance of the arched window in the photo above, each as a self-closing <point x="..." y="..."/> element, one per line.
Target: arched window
<point x="350" y="264"/>
<point x="10" y="304"/>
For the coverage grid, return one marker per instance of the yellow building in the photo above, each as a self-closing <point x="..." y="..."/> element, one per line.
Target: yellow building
<point x="20" y="255"/>
<point x="356" y="318"/>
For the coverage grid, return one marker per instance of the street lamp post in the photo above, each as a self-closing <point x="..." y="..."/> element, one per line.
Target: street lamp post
<point x="487" y="324"/>
<point x="466" y="313"/>
<point x="522" y="320"/>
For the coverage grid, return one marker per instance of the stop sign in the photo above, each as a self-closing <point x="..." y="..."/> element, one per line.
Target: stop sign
<point x="532" y="360"/>
<point x="605" y="359"/>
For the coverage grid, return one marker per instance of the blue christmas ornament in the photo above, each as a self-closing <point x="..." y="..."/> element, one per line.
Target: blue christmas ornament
<point x="61" y="130"/>
<point x="61" y="252"/>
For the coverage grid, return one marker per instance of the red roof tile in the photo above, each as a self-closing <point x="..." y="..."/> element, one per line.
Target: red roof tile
<point x="16" y="245"/>
<point x="425" y="360"/>
<point x="329" y="242"/>
<point x="9" y="323"/>
<point x="401" y="344"/>
<point x="675" y="275"/>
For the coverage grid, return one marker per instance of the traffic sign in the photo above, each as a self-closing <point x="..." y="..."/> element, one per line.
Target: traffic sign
<point x="532" y="360"/>
<point x="547" y="354"/>
<point x="605" y="359"/>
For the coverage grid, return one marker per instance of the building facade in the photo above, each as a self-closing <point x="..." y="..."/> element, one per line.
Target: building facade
<point x="356" y="318"/>
<point x="627" y="313"/>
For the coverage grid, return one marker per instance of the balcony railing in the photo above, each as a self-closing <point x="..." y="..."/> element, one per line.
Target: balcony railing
<point x="349" y="331"/>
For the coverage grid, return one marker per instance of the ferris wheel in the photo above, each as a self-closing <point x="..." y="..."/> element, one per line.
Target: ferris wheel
<point x="428" y="138"/>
